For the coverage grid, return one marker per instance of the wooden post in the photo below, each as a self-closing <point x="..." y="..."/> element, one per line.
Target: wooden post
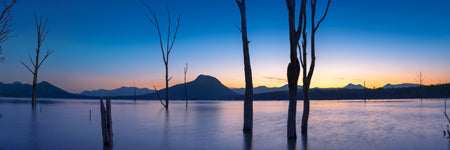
<point x="107" y="131"/>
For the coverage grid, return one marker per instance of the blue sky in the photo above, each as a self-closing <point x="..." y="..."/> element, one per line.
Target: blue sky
<point x="110" y="43"/>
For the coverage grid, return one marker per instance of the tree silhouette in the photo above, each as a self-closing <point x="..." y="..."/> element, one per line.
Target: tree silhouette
<point x="169" y="45"/>
<point x="185" y="85"/>
<point x="307" y="75"/>
<point x="36" y="64"/>
<point x="248" y="102"/>
<point x="293" y="70"/>
<point x="420" y="80"/>
<point x="5" y="23"/>
<point x="294" y="66"/>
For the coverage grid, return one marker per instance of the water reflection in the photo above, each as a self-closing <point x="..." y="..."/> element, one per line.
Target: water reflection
<point x="292" y="143"/>
<point x="305" y="141"/>
<point x="248" y="139"/>
<point x="377" y="124"/>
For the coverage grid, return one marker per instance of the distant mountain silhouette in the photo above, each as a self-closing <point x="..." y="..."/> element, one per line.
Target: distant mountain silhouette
<point x="352" y="86"/>
<point x="203" y="87"/>
<point x="44" y="89"/>
<point x="264" y="89"/>
<point x="122" y="91"/>
<point x="206" y="87"/>
<point x="429" y="91"/>
<point x="404" y="85"/>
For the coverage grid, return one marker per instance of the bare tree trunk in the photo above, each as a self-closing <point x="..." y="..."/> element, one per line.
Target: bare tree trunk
<point x="34" y="95"/>
<point x="107" y="131"/>
<point x="293" y="71"/>
<point x="306" y="104"/>
<point x="248" y="102"/>
<point x="185" y="85"/>
<point x="167" y="86"/>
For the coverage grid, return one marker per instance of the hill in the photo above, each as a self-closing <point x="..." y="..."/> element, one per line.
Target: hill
<point x="204" y="87"/>
<point x="44" y="90"/>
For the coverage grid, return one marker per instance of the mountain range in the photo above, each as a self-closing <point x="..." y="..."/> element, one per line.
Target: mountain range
<point x="122" y="91"/>
<point x="206" y="87"/>
<point x="264" y="89"/>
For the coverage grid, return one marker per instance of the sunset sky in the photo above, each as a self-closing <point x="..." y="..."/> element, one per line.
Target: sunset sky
<point x="106" y="44"/>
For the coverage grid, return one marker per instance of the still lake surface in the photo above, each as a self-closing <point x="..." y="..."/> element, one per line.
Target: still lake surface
<point x="352" y="124"/>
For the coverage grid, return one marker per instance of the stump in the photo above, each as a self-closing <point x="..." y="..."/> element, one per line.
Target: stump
<point x="107" y="131"/>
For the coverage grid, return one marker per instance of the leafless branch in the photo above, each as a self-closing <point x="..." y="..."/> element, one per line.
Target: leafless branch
<point x="238" y="28"/>
<point x="159" y="97"/>
<point x="49" y="52"/>
<point x="29" y="69"/>
<point x="324" y="15"/>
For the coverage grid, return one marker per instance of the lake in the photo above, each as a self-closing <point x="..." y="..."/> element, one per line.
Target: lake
<point x="352" y="124"/>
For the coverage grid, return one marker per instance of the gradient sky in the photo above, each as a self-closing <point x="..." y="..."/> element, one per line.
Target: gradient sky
<point x="110" y="43"/>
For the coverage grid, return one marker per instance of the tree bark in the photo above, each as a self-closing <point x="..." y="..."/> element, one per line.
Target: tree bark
<point x="248" y="102"/>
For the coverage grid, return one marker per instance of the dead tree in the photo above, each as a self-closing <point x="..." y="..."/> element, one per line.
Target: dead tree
<point x="293" y="70"/>
<point x="107" y="131"/>
<point x="5" y="23"/>
<point x="134" y="97"/>
<point x="307" y="75"/>
<point x="294" y="66"/>
<point x="36" y="64"/>
<point x="185" y="85"/>
<point x="248" y="102"/>
<point x="169" y="45"/>
<point x="419" y="80"/>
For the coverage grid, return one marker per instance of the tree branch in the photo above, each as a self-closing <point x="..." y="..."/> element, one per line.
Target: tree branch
<point x="324" y="15"/>
<point x="49" y="52"/>
<point x="29" y="69"/>
<point x="159" y="97"/>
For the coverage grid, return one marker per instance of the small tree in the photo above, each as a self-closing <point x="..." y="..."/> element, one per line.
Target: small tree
<point x="185" y="85"/>
<point x="5" y="23"/>
<point x="248" y="102"/>
<point x="420" y="80"/>
<point x="169" y="45"/>
<point x="36" y="64"/>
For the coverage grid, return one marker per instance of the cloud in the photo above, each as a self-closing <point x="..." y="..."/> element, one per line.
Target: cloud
<point x="275" y="78"/>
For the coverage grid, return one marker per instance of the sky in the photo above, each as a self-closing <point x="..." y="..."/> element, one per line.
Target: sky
<point x="106" y="44"/>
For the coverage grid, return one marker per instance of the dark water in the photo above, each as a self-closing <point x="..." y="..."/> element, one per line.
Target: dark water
<point x="66" y="124"/>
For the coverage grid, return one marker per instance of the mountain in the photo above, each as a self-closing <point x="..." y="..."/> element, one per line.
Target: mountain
<point x="44" y="89"/>
<point x="404" y="85"/>
<point x="122" y="91"/>
<point x="352" y="86"/>
<point x="264" y="89"/>
<point x="203" y="87"/>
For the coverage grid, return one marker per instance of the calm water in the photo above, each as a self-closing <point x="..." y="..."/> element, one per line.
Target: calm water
<point x="66" y="124"/>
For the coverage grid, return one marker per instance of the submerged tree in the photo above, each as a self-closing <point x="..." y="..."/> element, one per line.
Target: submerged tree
<point x="185" y="85"/>
<point x="5" y="22"/>
<point x="36" y="64"/>
<point x="248" y="102"/>
<point x="294" y="66"/>
<point x="419" y="80"/>
<point x="167" y="49"/>
<point x="107" y="131"/>
<point x="307" y="75"/>
<point x="293" y="69"/>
